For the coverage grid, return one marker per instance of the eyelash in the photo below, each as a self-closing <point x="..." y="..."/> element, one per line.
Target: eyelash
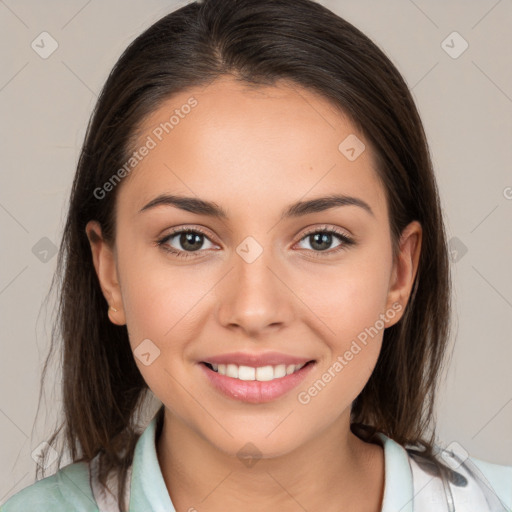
<point x="346" y="241"/>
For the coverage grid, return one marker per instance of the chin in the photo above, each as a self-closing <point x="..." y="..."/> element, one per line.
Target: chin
<point x="251" y="446"/>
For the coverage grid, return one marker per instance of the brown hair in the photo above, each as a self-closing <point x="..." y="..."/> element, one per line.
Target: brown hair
<point x="258" y="42"/>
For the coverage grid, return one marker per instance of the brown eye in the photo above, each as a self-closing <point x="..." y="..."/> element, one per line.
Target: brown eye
<point x="321" y="240"/>
<point x="187" y="241"/>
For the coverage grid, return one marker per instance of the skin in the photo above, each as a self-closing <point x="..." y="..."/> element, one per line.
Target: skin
<point x="254" y="151"/>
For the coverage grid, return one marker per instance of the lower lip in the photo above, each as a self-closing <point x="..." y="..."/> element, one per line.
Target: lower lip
<point x="255" y="391"/>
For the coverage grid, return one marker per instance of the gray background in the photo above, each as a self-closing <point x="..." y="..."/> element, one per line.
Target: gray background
<point x="466" y="106"/>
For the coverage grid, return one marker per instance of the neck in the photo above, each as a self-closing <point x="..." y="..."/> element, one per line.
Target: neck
<point x="314" y="476"/>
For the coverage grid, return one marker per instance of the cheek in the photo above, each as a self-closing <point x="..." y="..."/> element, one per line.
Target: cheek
<point x="159" y="298"/>
<point x="354" y="341"/>
<point x="350" y="297"/>
<point x="349" y="307"/>
<point x="162" y="304"/>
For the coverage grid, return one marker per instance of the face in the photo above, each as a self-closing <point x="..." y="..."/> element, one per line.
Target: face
<point x="315" y="284"/>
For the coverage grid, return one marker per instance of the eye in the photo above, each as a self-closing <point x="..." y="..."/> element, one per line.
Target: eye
<point x="320" y="239"/>
<point x="190" y="240"/>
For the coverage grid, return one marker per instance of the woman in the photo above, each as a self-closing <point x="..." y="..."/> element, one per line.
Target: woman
<point x="255" y="238"/>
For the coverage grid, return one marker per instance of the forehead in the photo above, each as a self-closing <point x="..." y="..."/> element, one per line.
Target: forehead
<point x="264" y="145"/>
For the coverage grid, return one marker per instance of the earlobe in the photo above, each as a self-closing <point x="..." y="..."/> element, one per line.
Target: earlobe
<point x="405" y="268"/>
<point x="106" y="270"/>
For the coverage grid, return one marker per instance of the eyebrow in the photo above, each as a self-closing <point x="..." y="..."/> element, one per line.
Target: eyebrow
<point x="299" y="209"/>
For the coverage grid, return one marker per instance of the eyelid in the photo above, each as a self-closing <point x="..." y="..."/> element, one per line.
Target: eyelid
<point x="326" y="227"/>
<point x="188" y="227"/>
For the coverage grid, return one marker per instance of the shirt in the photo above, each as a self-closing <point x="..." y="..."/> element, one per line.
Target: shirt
<point x="477" y="486"/>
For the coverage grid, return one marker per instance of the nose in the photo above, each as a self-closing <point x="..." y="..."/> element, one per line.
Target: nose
<point x="255" y="296"/>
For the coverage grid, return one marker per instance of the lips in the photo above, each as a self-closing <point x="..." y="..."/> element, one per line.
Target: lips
<point x="256" y="391"/>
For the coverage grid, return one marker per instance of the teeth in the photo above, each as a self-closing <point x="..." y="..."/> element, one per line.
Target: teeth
<point x="262" y="373"/>
<point x="232" y="371"/>
<point x="244" y="372"/>
<point x="280" y="370"/>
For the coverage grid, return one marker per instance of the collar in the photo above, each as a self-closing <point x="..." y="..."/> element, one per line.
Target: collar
<point x="398" y="484"/>
<point x="147" y="489"/>
<point x="149" y="492"/>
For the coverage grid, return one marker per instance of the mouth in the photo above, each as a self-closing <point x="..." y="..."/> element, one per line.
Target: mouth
<point x="256" y="384"/>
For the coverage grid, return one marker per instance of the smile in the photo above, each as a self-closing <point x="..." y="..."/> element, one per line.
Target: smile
<point x="255" y="384"/>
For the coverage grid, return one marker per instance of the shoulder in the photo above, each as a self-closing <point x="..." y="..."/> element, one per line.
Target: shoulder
<point x="68" y="490"/>
<point x="499" y="478"/>
<point x="472" y="483"/>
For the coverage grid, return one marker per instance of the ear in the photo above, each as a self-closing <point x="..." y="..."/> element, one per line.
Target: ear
<point x="404" y="270"/>
<point x="106" y="269"/>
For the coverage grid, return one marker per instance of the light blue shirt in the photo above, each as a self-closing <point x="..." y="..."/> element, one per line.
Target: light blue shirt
<point x="70" y="488"/>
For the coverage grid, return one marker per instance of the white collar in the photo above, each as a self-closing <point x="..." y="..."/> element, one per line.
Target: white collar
<point x="407" y="485"/>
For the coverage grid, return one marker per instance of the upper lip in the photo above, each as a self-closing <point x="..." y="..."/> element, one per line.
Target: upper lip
<point x="255" y="360"/>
